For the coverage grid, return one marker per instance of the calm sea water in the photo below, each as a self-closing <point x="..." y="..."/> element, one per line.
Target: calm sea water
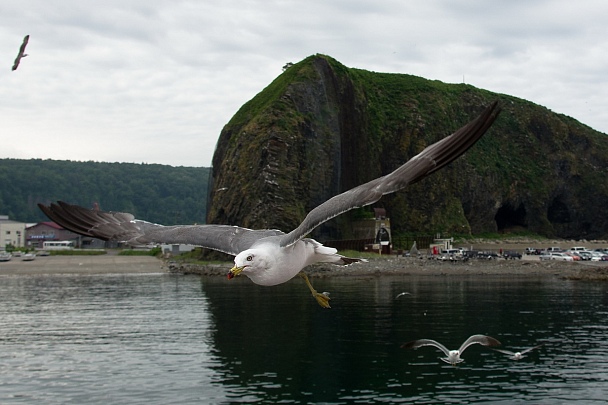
<point x="160" y="339"/>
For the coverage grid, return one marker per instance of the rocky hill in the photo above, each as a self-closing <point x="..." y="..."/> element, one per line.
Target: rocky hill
<point x="321" y="128"/>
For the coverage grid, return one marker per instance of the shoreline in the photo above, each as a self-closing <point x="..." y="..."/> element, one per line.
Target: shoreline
<point x="385" y="265"/>
<point x="401" y="266"/>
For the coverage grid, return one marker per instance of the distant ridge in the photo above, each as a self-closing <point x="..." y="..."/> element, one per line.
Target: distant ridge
<point x="160" y="193"/>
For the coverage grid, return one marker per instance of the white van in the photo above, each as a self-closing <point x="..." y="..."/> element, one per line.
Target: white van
<point x="453" y="252"/>
<point x="579" y="249"/>
<point x="554" y="249"/>
<point x="450" y="254"/>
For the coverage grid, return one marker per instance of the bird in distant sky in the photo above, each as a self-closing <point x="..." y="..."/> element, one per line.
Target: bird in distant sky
<point x="21" y="53"/>
<point x="453" y="356"/>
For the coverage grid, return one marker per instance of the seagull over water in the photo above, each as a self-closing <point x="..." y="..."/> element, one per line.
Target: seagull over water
<point x="270" y="257"/>
<point x="517" y="355"/>
<point x="453" y="356"/>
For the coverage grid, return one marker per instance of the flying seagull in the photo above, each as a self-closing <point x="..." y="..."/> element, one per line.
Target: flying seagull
<point x="270" y="257"/>
<point x="517" y="355"/>
<point x="453" y="356"/>
<point x="21" y="53"/>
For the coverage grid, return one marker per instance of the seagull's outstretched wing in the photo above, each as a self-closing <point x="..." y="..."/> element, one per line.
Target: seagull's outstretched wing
<point x="21" y="53"/>
<point x="531" y="348"/>
<point x="479" y="339"/>
<point x="425" y="342"/>
<point x="507" y="352"/>
<point x="120" y="226"/>
<point x="432" y="158"/>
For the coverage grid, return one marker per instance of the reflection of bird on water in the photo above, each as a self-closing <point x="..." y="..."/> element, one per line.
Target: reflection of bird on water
<point x="517" y="355"/>
<point x="21" y="53"/>
<point x="453" y="356"/>
<point x="270" y="257"/>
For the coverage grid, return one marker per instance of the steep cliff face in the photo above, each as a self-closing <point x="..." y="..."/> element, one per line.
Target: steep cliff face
<point x="321" y="128"/>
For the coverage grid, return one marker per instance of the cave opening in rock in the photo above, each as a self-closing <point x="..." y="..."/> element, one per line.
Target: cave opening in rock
<point x="558" y="212"/>
<point x="507" y="217"/>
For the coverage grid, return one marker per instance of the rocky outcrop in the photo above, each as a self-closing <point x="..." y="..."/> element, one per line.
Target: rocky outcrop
<point x="321" y="128"/>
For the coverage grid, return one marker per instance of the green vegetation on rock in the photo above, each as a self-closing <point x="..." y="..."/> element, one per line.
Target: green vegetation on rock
<point x="321" y="128"/>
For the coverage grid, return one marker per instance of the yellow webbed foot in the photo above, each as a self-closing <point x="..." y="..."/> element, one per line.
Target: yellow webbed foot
<point x="322" y="298"/>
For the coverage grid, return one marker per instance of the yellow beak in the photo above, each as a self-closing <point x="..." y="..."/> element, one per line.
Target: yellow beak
<point x="235" y="271"/>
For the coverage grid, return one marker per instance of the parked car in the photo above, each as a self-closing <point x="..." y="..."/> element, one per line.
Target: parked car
<point x="511" y="254"/>
<point x="452" y="252"/>
<point x="532" y="251"/>
<point x="561" y="256"/>
<point x="575" y="256"/>
<point x="596" y="256"/>
<point x="444" y="257"/>
<point x="585" y="255"/>
<point x="469" y="254"/>
<point x="578" y="249"/>
<point x="487" y="255"/>
<point x="545" y="255"/>
<point x="553" y="249"/>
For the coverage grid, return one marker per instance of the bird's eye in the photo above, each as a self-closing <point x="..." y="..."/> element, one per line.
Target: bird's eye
<point x="249" y="258"/>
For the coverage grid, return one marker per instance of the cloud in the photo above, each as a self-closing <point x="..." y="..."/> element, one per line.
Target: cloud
<point x="155" y="81"/>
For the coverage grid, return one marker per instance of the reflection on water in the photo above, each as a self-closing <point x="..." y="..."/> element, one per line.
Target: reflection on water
<point x="105" y="339"/>
<point x="174" y="339"/>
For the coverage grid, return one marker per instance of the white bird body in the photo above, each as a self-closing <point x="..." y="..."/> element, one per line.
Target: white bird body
<point x="453" y="356"/>
<point x="517" y="356"/>
<point x="268" y="264"/>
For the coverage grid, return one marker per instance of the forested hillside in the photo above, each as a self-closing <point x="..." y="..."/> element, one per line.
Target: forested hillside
<point x="157" y="193"/>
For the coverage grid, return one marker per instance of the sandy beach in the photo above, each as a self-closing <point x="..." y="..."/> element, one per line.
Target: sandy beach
<point x="102" y="264"/>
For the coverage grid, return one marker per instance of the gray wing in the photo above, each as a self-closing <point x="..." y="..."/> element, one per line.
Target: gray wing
<point x="431" y="159"/>
<point x="479" y="339"/>
<point x="507" y="352"/>
<point x="530" y="349"/>
<point x="21" y="52"/>
<point x="120" y="226"/>
<point x="425" y="342"/>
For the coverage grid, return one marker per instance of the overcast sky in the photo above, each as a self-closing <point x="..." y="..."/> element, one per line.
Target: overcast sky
<point x="154" y="81"/>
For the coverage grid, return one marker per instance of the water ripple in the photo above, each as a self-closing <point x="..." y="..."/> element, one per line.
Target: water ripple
<point x="159" y="339"/>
